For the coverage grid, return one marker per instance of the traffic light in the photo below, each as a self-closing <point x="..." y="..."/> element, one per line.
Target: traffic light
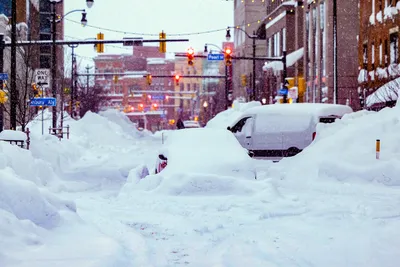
<point x="228" y="56"/>
<point x="115" y="78"/>
<point x="149" y="79"/>
<point x="100" y="47"/>
<point x="35" y="90"/>
<point x="163" y="45"/>
<point x="140" y="107"/>
<point x="154" y="106"/>
<point x="177" y="78"/>
<point x="244" y="79"/>
<point x="190" y="56"/>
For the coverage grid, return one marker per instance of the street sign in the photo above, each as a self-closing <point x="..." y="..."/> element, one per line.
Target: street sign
<point x="45" y="102"/>
<point x="283" y="91"/>
<point x="3" y="76"/>
<point x="157" y="97"/>
<point x="215" y="57"/>
<point x="42" y="76"/>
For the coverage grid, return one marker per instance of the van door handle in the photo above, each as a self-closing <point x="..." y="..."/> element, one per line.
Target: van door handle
<point x="248" y="137"/>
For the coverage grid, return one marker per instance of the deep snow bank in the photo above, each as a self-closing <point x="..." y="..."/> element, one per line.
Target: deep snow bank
<point x="345" y="150"/>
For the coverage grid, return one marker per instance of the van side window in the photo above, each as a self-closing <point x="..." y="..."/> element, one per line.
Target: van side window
<point x="239" y="125"/>
<point x="327" y="120"/>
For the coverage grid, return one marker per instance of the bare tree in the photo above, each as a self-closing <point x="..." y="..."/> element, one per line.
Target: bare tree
<point x="91" y="99"/>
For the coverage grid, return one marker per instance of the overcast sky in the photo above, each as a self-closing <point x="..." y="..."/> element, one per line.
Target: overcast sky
<point x="149" y="17"/>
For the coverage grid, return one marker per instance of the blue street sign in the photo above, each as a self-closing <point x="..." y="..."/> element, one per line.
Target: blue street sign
<point x="3" y="76"/>
<point x="283" y="91"/>
<point x="162" y="115"/>
<point x="157" y="97"/>
<point x="215" y="57"/>
<point x="45" y="102"/>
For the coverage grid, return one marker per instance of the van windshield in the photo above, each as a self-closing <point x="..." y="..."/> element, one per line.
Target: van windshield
<point x="282" y="123"/>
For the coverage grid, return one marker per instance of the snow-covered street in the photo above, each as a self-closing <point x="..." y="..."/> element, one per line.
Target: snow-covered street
<point x="87" y="206"/>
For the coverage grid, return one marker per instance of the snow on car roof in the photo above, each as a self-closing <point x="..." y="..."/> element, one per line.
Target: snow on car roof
<point x="204" y="150"/>
<point x="318" y="109"/>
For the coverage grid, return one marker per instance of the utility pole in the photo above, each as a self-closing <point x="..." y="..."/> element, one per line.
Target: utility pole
<point x="54" y="62"/>
<point x="72" y="93"/>
<point x="87" y="79"/>
<point x="335" y="56"/>
<point x="254" y="66"/>
<point x="13" y="89"/>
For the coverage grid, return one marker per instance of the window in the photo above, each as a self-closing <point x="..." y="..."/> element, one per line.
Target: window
<point x="394" y="48"/>
<point x="45" y="6"/>
<point x="322" y="15"/>
<point x="270" y="47"/>
<point x="284" y="39"/>
<point x="45" y="23"/>
<point x="238" y="126"/>
<point x="380" y="53"/>
<point x="45" y="61"/>
<point x="365" y="56"/>
<point x="373" y="55"/>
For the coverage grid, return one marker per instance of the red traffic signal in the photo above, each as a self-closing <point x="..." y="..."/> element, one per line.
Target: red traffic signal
<point x="177" y="78"/>
<point x="228" y="56"/>
<point x="190" y="56"/>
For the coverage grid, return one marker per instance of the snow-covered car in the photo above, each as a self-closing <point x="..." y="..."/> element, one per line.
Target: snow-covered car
<point x="191" y="124"/>
<point x="204" y="151"/>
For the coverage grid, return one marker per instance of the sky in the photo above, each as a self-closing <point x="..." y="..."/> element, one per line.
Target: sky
<point x="148" y="17"/>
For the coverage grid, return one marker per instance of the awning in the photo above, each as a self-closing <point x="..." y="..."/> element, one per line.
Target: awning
<point x="290" y="60"/>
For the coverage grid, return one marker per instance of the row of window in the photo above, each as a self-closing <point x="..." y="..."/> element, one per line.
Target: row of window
<point x="386" y="51"/>
<point x="274" y="46"/>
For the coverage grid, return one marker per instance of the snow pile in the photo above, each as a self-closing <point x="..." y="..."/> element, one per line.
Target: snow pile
<point x="120" y="119"/>
<point x="200" y="162"/>
<point x="348" y="149"/>
<point x="225" y="118"/>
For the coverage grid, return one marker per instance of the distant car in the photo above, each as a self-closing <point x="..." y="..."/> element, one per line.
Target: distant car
<point x="191" y="124"/>
<point x="205" y="151"/>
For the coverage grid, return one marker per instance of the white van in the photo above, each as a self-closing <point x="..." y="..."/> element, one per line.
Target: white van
<point x="277" y="131"/>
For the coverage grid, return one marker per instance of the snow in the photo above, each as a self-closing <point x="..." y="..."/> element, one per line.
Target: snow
<point x="13" y="135"/>
<point x="387" y="92"/>
<point x="88" y="201"/>
<point x="291" y="59"/>
<point x="224" y="119"/>
<point x="363" y="76"/>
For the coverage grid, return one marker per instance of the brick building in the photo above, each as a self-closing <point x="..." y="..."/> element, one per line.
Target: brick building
<point x="319" y="51"/>
<point x="248" y="16"/>
<point x="283" y="27"/>
<point x="378" y="52"/>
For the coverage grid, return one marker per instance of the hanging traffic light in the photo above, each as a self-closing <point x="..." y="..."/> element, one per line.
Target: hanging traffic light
<point x="244" y="79"/>
<point x="228" y="56"/>
<point x="190" y="56"/>
<point x="115" y="78"/>
<point x="149" y="79"/>
<point x="163" y="45"/>
<point x="140" y="107"/>
<point x="100" y="47"/>
<point x="177" y="78"/>
<point x="154" y="106"/>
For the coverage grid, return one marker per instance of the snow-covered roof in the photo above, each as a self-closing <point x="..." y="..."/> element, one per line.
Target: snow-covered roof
<point x="155" y="60"/>
<point x="387" y="92"/>
<point x="275" y="20"/>
<point x="290" y="60"/>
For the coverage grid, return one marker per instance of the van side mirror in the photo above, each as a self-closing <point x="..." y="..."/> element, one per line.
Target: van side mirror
<point x="251" y="154"/>
<point x="162" y="157"/>
<point x="228" y="128"/>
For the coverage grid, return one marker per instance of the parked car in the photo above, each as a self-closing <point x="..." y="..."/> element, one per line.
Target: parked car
<point x="191" y="124"/>
<point x="206" y="151"/>
<point x="277" y="131"/>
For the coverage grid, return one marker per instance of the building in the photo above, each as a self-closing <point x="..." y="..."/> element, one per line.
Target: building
<point x="248" y="17"/>
<point x="283" y="28"/>
<point x="319" y="56"/>
<point x="378" y="53"/>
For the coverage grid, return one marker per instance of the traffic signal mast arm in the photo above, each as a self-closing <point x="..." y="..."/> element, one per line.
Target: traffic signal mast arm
<point x="234" y="57"/>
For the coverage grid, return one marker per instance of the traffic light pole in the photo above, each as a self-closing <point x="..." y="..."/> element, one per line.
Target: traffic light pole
<point x="1" y="81"/>
<point x="254" y="68"/>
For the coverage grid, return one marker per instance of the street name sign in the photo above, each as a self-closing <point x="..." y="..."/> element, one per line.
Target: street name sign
<point x="3" y="76"/>
<point x="42" y="76"/>
<point x="45" y="102"/>
<point x="215" y="57"/>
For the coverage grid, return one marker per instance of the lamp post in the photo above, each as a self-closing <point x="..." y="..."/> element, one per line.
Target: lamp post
<point x="335" y="58"/>
<point x="253" y="37"/>
<point x="54" y="20"/>
<point x="226" y="74"/>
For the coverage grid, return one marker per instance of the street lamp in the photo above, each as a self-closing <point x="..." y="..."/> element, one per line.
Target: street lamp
<point x="55" y="19"/>
<point x="253" y="37"/>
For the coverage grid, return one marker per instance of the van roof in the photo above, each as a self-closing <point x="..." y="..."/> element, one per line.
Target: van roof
<point x="318" y="109"/>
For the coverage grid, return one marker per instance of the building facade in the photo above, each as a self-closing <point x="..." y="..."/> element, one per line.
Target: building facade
<point x="378" y="53"/>
<point x="248" y="16"/>
<point x="283" y="28"/>
<point x="319" y="59"/>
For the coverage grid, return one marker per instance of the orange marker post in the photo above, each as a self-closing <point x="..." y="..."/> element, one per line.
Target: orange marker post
<point x="378" y="148"/>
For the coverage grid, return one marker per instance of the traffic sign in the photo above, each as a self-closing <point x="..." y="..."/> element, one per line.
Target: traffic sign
<point x="157" y="97"/>
<point x="283" y="91"/>
<point x="45" y="102"/>
<point x="3" y="76"/>
<point x="42" y="76"/>
<point x="215" y="57"/>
